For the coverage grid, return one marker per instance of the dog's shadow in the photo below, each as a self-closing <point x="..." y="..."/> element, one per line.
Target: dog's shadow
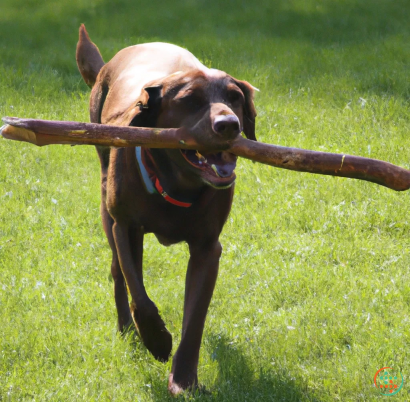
<point x="238" y="381"/>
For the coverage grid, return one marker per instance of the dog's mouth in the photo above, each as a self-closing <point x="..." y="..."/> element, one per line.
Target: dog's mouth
<point x="217" y="168"/>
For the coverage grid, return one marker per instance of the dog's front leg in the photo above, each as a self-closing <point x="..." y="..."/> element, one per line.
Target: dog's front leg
<point x="129" y="243"/>
<point x="199" y="286"/>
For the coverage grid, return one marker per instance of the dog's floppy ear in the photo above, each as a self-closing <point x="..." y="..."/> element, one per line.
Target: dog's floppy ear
<point x="249" y="112"/>
<point x="149" y="104"/>
<point x="154" y="97"/>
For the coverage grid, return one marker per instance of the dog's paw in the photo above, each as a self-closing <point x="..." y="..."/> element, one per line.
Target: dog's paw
<point x="176" y="389"/>
<point x="173" y="388"/>
<point x="127" y="328"/>
<point x="153" y="332"/>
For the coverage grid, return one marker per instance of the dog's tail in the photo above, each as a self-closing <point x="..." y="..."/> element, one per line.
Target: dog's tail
<point x="89" y="60"/>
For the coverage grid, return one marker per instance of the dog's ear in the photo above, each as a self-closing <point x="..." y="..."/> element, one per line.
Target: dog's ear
<point x="149" y="104"/>
<point x="249" y="112"/>
<point x="154" y="97"/>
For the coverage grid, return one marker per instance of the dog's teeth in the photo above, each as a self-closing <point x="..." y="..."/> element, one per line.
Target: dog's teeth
<point x="200" y="157"/>
<point x="215" y="170"/>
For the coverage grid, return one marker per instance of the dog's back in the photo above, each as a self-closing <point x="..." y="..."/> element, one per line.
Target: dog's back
<point x="123" y="77"/>
<point x="134" y="67"/>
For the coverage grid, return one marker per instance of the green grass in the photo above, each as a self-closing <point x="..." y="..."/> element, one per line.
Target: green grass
<point x="314" y="288"/>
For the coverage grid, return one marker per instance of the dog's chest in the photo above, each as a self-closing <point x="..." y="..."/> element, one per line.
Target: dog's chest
<point x="171" y="226"/>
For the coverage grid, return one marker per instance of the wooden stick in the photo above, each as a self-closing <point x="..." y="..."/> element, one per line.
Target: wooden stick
<point x="326" y="163"/>
<point x="47" y="132"/>
<point x="42" y="132"/>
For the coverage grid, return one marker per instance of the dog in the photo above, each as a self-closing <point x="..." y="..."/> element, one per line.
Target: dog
<point x="178" y="195"/>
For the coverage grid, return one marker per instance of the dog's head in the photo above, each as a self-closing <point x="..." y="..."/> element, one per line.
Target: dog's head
<point x="210" y="103"/>
<point x="207" y="102"/>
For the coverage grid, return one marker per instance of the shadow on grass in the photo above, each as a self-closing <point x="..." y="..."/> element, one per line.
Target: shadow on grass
<point x="237" y="380"/>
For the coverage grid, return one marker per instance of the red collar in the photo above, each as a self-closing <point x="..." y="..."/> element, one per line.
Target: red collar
<point x="159" y="188"/>
<point x="149" y="163"/>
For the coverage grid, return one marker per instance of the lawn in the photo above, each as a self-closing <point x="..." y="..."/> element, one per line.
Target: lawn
<point x="313" y="295"/>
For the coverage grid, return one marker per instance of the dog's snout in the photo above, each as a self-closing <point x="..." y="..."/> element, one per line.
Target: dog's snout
<point x="227" y="125"/>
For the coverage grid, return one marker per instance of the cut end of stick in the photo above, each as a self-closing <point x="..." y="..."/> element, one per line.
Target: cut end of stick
<point x="18" y="134"/>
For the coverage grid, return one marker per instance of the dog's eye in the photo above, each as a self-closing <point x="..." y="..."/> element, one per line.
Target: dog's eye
<point x="235" y="97"/>
<point x="190" y="100"/>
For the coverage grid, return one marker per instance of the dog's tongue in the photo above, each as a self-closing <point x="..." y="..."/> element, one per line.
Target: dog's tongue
<point x="224" y="163"/>
<point x="226" y="169"/>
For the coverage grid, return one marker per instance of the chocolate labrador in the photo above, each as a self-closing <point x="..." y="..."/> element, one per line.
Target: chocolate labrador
<point x="176" y="194"/>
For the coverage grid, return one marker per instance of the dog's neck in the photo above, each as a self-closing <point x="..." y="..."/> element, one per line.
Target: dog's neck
<point x="178" y="183"/>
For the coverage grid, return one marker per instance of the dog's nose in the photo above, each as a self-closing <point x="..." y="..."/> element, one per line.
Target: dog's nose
<point x="227" y="125"/>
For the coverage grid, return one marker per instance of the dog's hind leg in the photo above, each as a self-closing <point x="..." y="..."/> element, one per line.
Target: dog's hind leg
<point x="129" y="242"/>
<point x="120" y="288"/>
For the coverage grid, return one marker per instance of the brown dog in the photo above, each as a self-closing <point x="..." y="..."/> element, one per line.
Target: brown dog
<point x="177" y="195"/>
